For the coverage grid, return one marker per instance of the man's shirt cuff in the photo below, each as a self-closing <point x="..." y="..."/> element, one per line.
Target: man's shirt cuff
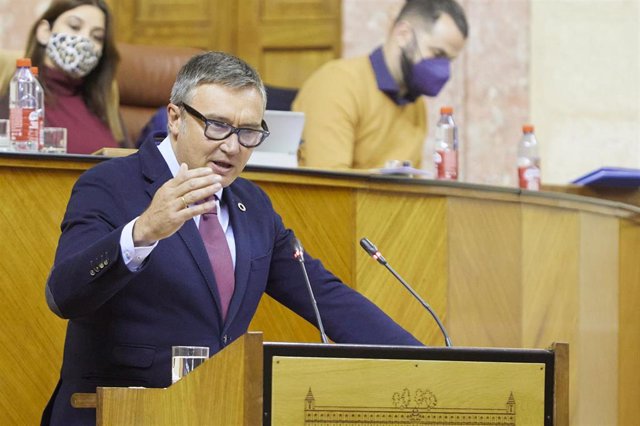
<point x="133" y="256"/>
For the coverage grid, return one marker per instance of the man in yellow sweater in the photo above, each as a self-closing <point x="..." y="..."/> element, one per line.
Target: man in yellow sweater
<point x="364" y="111"/>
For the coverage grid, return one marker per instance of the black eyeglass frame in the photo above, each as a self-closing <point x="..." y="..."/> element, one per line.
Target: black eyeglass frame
<point x="232" y="129"/>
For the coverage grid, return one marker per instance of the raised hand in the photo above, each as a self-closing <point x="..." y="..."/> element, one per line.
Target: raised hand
<point x="177" y="201"/>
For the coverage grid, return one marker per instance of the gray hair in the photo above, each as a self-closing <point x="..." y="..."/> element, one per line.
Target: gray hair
<point x="215" y="68"/>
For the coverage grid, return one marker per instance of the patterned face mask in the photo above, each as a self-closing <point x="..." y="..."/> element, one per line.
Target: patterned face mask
<point x="74" y="54"/>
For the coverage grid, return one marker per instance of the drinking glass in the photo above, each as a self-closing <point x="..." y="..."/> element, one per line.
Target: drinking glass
<point x="55" y="140"/>
<point x="185" y="358"/>
<point x="5" y="143"/>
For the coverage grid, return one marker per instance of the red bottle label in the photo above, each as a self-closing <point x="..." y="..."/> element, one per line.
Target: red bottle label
<point x="20" y="124"/>
<point x="446" y="162"/>
<point x="529" y="178"/>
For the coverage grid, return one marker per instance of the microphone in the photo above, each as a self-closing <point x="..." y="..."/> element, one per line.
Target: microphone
<point x="373" y="251"/>
<point x="298" y="254"/>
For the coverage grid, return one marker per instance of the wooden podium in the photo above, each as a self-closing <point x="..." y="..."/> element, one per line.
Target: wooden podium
<point x="251" y="383"/>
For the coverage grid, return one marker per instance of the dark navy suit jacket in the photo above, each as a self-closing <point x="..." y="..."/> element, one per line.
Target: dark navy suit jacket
<point x="122" y="324"/>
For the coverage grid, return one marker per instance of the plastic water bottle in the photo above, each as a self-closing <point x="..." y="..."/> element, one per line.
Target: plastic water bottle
<point x="39" y="107"/>
<point x="23" y="105"/>
<point x="445" y="156"/>
<point x="528" y="160"/>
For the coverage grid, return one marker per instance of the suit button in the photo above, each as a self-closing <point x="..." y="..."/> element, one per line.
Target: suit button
<point x="92" y="273"/>
<point x="225" y="339"/>
<point x="106" y="262"/>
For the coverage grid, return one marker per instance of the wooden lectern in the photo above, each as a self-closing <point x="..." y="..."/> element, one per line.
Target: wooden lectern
<point x="252" y="383"/>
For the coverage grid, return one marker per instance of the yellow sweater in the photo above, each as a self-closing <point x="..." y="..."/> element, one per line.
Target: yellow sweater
<point x="350" y="123"/>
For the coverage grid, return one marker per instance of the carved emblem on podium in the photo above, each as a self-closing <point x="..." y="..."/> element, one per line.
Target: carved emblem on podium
<point x="418" y="408"/>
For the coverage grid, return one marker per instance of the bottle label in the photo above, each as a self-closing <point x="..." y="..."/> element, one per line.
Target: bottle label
<point x="529" y="177"/>
<point x="20" y="124"/>
<point x="34" y="128"/>
<point x="446" y="162"/>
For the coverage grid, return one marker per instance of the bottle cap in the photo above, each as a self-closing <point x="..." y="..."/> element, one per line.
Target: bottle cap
<point x="527" y="128"/>
<point x="34" y="71"/>
<point x="446" y="110"/>
<point x="23" y="62"/>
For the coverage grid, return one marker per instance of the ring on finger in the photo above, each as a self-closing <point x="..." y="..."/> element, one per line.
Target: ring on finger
<point x="184" y="203"/>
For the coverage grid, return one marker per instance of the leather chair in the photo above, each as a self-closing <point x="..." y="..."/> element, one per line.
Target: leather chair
<point x="145" y="77"/>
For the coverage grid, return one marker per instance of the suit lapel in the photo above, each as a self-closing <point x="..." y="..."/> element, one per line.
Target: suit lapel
<point x="240" y="225"/>
<point x="156" y="173"/>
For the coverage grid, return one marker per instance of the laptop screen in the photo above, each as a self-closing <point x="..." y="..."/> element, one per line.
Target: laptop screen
<point x="281" y="147"/>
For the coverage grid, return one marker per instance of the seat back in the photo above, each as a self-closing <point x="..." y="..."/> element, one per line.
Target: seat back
<point x="145" y="77"/>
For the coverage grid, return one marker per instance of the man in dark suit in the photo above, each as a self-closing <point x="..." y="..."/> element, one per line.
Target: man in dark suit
<point x="132" y="272"/>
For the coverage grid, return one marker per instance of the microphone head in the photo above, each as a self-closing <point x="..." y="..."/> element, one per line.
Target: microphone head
<point x="368" y="246"/>
<point x="298" y="251"/>
<point x="372" y="250"/>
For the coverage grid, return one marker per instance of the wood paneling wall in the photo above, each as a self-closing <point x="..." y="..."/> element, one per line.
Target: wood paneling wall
<point x="485" y="267"/>
<point x="286" y="40"/>
<point x="629" y="324"/>
<point x="500" y="267"/>
<point x="33" y="203"/>
<point x="206" y="24"/>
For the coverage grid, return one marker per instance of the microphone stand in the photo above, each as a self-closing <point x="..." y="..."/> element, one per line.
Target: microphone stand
<point x="447" y="340"/>
<point x="372" y="250"/>
<point x="298" y="254"/>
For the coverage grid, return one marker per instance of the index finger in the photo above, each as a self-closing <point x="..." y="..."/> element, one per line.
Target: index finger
<point x="185" y="174"/>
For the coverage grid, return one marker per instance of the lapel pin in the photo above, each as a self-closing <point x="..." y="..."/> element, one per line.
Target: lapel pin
<point x="242" y="207"/>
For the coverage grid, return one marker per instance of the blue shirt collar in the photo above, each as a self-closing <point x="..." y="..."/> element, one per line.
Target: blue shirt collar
<point x="385" y="80"/>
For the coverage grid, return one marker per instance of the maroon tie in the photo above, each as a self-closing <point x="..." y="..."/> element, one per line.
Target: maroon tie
<point x="219" y="256"/>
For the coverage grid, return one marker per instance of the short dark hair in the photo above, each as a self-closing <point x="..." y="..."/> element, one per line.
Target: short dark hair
<point x="429" y="11"/>
<point x="215" y="68"/>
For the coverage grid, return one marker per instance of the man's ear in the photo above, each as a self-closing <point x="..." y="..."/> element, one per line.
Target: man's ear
<point x="173" y="119"/>
<point x="43" y="32"/>
<point x="403" y="33"/>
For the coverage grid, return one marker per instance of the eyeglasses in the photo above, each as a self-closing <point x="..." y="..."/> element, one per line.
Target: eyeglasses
<point x="219" y="130"/>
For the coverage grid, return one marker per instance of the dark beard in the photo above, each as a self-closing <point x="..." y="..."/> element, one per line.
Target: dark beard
<point x="407" y="73"/>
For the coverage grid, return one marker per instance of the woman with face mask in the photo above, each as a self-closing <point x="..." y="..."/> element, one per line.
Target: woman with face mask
<point x="73" y="47"/>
